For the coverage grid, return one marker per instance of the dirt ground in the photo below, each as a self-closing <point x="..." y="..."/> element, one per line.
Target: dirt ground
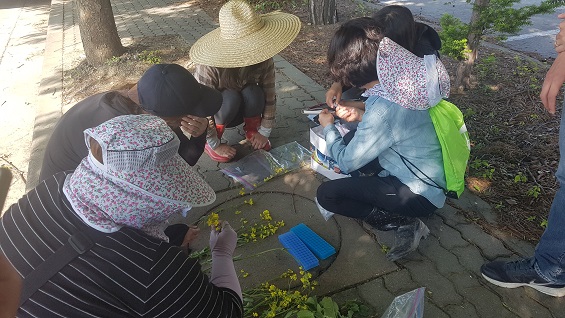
<point x="514" y="141"/>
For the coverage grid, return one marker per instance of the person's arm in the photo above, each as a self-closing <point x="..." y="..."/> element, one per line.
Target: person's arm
<point x="10" y="288"/>
<point x="349" y="113"/>
<point x="190" y="149"/>
<point x="268" y="86"/>
<point x="222" y="246"/>
<point x="372" y="133"/>
<point x="333" y="95"/>
<point x="560" y="37"/>
<point x="554" y="79"/>
<point x="209" y="76"/>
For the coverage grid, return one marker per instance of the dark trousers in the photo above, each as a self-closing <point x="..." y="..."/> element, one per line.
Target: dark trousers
<point x="247" y="103"/>
<point x="356" y="197"/>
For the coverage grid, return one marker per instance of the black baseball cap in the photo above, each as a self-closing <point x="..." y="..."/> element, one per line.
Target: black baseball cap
<point x="169" y="90"/>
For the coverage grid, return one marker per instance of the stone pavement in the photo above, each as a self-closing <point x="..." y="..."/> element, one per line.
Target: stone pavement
<point x="23" y="24"/>
<point x="447" y="263"/>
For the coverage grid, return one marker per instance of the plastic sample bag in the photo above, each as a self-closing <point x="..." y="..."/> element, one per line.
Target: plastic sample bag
<point x="260" y="166"/>
<point x="409" y="305"/>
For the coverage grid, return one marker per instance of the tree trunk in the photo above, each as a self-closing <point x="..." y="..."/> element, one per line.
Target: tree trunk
<point x="476" y="30"/>
<point x="322" y="12"/>
<point x="98" y="31"/>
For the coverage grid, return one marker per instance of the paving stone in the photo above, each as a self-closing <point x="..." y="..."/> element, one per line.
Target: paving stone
<point x="442" y="290"/>
<point x="433" y="311"/>
<point x="487" y="304"/>
<point x="522" y="248"/>
<point x="217" y="180"/>
<point x="375" y="294"/>
<point x="451" y="216"/>
<point x="449" y="237"/>
<point x="490" y="246"/>
<point x="399" y="282"/>
<point x="472" y="203"/>
<point x="465" y="309"/>
<point x="469" y="257"/>
<point x="358" y="250"/>
<point x="445" y="261"/>
<point x="520" y="302"/>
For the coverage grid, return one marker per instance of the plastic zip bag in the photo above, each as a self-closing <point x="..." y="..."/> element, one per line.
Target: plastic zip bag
<point x="260" y="166"/>
<point x="409" y="305"/>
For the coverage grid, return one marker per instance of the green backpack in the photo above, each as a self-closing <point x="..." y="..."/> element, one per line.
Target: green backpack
<point x="455" y="148"/>
<point x="455" y="145"/>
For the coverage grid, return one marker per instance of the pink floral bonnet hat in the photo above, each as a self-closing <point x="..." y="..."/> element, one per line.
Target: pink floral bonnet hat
<point x="141" y="181"/>
<point x="412" y="82"/>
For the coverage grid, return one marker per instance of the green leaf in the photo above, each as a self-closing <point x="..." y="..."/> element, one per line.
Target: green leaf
<point x="331" y="309"/>
<point x="305" y="314"/>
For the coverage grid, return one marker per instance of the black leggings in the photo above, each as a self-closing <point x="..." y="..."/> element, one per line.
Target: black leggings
<point x="249" y="102"/>
<point x="356" y="197"/>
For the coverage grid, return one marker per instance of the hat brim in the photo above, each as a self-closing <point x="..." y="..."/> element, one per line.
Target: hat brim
<point x="278" y="31"/>
<point x="173" y="180"/>
<point x="193" y="189"/>
<point x="405" y="78"/>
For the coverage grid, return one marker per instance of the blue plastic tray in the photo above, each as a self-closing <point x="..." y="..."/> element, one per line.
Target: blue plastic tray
<point x="298" y="250"/>
<point x="320" y="247"/>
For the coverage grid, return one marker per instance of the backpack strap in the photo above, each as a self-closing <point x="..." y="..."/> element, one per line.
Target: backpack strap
<point x="448" y="193"/>
<point x="78" y="244"/>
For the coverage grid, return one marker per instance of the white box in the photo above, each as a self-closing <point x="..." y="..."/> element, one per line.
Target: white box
<point x="320" y="161"/>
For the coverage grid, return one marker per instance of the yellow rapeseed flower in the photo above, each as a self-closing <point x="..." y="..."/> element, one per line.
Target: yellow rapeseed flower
<point x="266" y="215"/>
<point x="214" y="219"/>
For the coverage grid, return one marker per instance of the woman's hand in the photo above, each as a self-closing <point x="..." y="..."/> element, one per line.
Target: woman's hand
<point x="325" y="118"/>
<point x="193" y="126"/>
<point x="224" y="241"/>
<point x="560" y="37"/>
<point x="258" y="141"/>
<point x="349" y="114"/>
<point x="333" y="95"/>
<point x="190" y="236"/>
<point x="225" y="150"/>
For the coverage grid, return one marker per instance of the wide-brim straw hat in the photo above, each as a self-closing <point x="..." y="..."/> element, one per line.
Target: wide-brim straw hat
<point x="245" y="37"/>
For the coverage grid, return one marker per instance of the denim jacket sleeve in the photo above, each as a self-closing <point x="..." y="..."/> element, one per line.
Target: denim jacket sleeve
<point x="373" y="133"/>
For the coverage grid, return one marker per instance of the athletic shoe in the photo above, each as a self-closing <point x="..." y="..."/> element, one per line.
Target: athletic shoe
<point x="520" y="273"/>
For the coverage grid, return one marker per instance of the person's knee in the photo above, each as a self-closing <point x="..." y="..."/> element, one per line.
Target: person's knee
<point x="324" y="194"/>
<point x="231" y="106"/>
<point x="253" y="100"/>
<point x="231" y="98"/>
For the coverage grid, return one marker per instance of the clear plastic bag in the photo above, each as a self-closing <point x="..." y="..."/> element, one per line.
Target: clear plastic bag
<point x="325" y="213"/>
<point x="260" y="166"/>
<point x="409" y="305"/>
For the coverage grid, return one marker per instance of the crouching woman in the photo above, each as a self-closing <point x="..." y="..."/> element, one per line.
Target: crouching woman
<point x="395" y="152"/>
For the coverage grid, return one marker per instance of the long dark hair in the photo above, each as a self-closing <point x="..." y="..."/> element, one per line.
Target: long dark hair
<point x="353" y="51"/>
<point x="397" y="23"/>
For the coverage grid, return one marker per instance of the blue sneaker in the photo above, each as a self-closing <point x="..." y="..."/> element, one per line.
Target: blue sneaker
<point x="520" y="273"/>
